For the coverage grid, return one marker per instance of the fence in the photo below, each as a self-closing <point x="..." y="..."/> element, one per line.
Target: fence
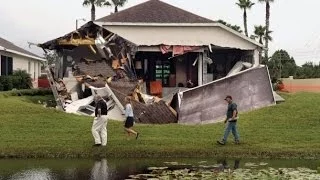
<point x="301" y="85"/>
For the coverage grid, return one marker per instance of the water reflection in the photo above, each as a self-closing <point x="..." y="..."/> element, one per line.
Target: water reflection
<point x="111" y="169"/>
<point x="100" y="170"/>
<point x="224" y="164"/>
<point x="34" y="174"/>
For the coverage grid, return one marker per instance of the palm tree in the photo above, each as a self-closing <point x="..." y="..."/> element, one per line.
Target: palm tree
<point x="116" y="4"/>
<point x="259" y="32"/>
<point x="93" y="4"/>
<point x="234" y="27"/>
<point x="267" y="23"/>
<point x="267" y="36"/>
<point x="245" y="4"/>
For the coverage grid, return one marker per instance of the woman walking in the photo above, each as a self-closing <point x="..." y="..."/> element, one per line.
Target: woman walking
<point x="129" y="119"/>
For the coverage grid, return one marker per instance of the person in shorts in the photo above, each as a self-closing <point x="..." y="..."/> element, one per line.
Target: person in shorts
<point x="129" y="122"/>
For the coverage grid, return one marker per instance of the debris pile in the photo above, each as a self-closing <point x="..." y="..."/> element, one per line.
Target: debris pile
<point x="94" y="61"/>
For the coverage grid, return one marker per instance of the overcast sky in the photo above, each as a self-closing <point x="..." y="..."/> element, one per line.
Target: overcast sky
<point x="294" y="22"/>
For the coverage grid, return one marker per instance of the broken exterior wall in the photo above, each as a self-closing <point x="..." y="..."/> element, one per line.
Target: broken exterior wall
<point x="251" y="89"/>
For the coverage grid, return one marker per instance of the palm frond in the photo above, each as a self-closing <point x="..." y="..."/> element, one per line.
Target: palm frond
<point x="259" y="30"/>
<point x="119" y="3"/>
<point x="254" y="37"/>
<point x="100" y="3"/>
<point x="107" y="3"/>
<point x="245" y="4"/>
<point x="263" y="1"/>
<point x="250" y="5"/>
<point x="86" y="3"/>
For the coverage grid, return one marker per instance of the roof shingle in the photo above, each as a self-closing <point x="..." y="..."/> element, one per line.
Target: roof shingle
<point x="9" y="45"/>
<point x="154" y="11"/>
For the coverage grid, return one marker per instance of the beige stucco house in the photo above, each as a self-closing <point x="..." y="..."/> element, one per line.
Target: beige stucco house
<point x="14" y="58"/>
<point x="159" y="29"/>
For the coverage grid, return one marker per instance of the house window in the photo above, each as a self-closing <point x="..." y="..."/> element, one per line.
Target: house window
<point x="6" y="65"/>
<point x="163" y="72"/>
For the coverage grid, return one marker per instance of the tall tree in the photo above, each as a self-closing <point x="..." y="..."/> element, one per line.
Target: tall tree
<point x="93" y="4"/>
<point x="267" y="24"/>
<point x="282" y="65"/>
<point x="245" y="5"/>
<point x="116" y="4"/>
<point x="234" y="27"/>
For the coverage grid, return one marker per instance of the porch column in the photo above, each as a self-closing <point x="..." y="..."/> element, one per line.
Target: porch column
<point x="200" y="69"/>
<point x="58" y="68"/>
<point x="204" y="69"/>
<point x="256" y="57"/>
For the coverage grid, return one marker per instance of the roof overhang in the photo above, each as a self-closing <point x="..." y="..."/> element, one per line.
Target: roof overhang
<point x="21" y="54"/>
<point x="203" y="39"/>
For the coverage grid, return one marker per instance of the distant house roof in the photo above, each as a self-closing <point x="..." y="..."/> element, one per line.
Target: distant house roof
<point x="154" y="11"/>
<point x="10" y="47"/>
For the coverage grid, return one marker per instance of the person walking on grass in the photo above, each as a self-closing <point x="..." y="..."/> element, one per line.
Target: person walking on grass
<point x="129" y="119"/>
<point x="99" y="126"/>
<point x="231" y="122"/>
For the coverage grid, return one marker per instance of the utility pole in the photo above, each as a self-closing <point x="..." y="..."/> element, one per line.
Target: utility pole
<point x="82" y="19"/>
<point x="280" y="66"/>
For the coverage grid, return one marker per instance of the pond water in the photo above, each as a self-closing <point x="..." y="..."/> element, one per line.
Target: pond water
<point x="70" y="169"/>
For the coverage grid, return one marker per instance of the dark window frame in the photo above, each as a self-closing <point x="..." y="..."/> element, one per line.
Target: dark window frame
<point x="6" y="65"/>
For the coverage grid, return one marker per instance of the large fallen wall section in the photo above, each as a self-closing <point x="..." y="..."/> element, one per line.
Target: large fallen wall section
<point x="251" y="89"/>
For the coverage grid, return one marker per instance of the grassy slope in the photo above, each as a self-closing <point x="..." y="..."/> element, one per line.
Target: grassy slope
<point x="289" y="130"/>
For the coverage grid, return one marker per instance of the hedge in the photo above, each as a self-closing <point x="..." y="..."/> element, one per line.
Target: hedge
<point x="28" y="92"/>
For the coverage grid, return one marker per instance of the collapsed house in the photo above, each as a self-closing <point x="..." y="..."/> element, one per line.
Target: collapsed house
<point x="177" y="66"/>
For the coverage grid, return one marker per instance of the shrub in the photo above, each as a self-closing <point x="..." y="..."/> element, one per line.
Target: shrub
<point x="6" y="83"/>
<point x="25" y="79"/>
<point x="30" y="92"/>
<point x="19" y="80"/>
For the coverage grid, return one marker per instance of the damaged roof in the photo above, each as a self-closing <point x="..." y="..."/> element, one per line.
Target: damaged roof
<point x="184" y="35"/>
<point x="10" y="47"/>
<point x="87" y="30"/>
<point x="96" y="68"/>
<point x="154" y="11"/>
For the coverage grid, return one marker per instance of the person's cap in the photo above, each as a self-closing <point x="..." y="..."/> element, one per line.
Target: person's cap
<point x="228" y="97"/>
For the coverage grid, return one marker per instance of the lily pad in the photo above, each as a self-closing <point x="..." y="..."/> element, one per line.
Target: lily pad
<point x="202" y="162"/>
<point x="251" y="165"/>
<point x="171" y="163"/>
<point x="238" y="174"/>
<point x="157" y="168"/>
<point x="263" y="164"/>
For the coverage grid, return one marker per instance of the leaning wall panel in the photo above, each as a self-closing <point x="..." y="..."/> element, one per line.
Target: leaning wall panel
<point x="251" y="89"/>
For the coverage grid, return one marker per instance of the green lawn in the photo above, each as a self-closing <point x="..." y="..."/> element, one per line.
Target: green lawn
<point x="288" y="130"/>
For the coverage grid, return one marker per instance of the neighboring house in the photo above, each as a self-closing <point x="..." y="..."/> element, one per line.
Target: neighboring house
<point x="14" y="58"/>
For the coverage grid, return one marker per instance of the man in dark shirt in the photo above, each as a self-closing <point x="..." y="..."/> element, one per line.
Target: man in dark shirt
<point x="231" y="120"/>
<point x="99" y="126"/>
